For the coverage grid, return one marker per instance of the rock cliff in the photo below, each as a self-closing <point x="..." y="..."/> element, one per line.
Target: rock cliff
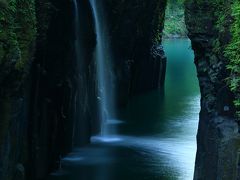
<point x="136" y="33"/>
<point x="209" y="24"/>
<point x="17" y="44"/>
<point x="48" y="99"/>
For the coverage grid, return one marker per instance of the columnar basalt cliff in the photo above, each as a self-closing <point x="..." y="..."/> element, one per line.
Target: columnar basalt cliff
<point x="209" y="25"/>
<point x="47" y="103"/>
<point x="48" y="100"/>
<point x="49" y="97"/>
<point x="136" y="33"/>
<point x="63" y="98"/>
<point x="17" y="37"/>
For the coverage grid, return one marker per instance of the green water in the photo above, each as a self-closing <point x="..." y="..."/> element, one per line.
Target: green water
<point x="156" y="132"/>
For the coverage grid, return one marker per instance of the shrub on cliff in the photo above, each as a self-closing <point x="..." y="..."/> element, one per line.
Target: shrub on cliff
<point x="232" y="52"/>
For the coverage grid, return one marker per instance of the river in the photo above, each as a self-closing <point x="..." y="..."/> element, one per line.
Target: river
<point x="156" y="137"/>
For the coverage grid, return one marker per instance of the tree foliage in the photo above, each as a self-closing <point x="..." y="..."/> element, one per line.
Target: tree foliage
<point x="174" y="19"/>
<point x="232" y="52"/>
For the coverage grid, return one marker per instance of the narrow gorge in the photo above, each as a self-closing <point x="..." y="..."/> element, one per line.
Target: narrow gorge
<point x="108" y="90"/>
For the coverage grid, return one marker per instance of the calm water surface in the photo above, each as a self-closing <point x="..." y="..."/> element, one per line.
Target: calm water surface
<point x="156" y="139"/>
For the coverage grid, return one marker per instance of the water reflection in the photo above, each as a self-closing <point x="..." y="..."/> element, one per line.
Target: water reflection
<point x="157" y="132"/>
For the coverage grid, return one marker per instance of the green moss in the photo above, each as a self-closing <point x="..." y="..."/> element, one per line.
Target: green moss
<point x="17" y="31"/>
<point x="174" y="20"/>
<point x="232" y="52"/>
<point x="25" y="29"/>
<point x="228" y="22"/>
<point x="226" y="38"/>
<point x="158" y="22"/>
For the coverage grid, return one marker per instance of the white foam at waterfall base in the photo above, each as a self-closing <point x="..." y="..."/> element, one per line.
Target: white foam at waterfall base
<point x="106" y="139"/>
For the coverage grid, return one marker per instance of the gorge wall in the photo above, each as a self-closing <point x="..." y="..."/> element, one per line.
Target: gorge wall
<point x="47" y="103"/>
<point x="62" y="90"/>
<point x="48" y="100"/>
<point x="210" y="29"/>
<point x="17" y="37"/>
<point x="136" y="34"/>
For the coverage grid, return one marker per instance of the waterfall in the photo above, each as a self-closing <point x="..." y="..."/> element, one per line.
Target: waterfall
<point x="103" y="63"/>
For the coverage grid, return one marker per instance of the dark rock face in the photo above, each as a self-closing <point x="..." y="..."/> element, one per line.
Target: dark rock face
<point x="44" y="115"/>
<point x="63" y="98"/>
<point x="218" y="137"/>
<point x="13" y="140"/>
<point x="135" y="32"/>
<point x="48" y="100"/>
<point x="15" y="58"/>
<point x="51" y="92"/>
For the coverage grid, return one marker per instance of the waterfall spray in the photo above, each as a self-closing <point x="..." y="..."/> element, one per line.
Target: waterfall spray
<point x="103" y="62"/>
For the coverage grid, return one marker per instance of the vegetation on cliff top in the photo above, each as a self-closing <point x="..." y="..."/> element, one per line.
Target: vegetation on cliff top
<point x="229" y="20"/>
<point x="226" y="39"/>
<point x="174" y="26"/>
<point x="17" y="31"/>
<point x="232" y="52"/>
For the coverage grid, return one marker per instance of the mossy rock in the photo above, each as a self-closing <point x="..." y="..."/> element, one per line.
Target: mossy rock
<point x="17" y="42"/>
<point x="232" y="52"/>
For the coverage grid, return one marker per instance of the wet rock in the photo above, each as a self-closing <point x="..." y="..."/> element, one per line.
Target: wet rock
<point x="218" y="148"/>
<point x="20" y="172"/>
<point x="218" y="137"/>
<point x="136" y="31"/>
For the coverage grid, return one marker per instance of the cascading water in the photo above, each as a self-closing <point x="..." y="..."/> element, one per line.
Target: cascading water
<point x="103" y="62"/>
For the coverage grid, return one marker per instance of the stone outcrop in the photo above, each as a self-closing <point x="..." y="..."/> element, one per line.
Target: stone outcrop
<point x="218" y="138"/>
<point x="17" y="37"/>
<point x="47" y="103"/>
<point x="48" y="100"/>
<point x="136" y="32"/>
<point x="63" y="98"/>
